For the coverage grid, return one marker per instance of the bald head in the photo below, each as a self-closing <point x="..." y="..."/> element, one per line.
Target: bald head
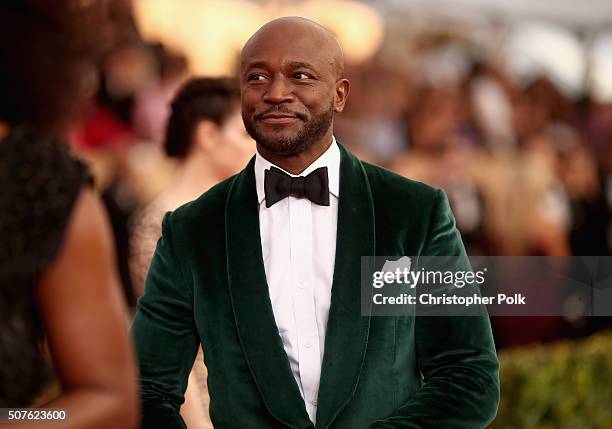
<point x="298" y="30"/>
<point x="291" y="86"/>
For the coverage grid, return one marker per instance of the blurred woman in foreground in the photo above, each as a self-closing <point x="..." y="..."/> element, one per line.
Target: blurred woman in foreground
<point x="60" y="302"/>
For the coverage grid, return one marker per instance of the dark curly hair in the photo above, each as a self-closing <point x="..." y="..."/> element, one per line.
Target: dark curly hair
<point x="48" y="54"/>
<point x="212" y="99"/>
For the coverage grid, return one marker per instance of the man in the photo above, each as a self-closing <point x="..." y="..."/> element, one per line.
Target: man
<point x="264" y="271"/>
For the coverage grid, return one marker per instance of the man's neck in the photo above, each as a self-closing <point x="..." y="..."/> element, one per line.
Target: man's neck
<point x="296" y="164"/>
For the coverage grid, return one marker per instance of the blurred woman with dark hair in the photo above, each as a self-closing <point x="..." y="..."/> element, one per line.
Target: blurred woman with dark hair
<point x="206" y="135"/>
<point x="60" y="302"/>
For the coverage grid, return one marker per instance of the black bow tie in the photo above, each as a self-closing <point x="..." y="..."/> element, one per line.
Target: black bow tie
<point x="279" y="185"/>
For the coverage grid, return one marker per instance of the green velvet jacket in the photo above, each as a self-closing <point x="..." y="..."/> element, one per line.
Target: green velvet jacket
<point x="207" y="285"/>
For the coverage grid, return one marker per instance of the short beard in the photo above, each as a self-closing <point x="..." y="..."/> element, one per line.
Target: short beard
<point x="311" y="132"/>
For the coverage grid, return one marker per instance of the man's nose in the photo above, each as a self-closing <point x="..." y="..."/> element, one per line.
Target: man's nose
<point x="279" y="91"/>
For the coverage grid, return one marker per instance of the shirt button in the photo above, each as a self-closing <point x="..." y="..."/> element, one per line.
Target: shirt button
<point x="301" y="285"/>
<point x="308" y="345"/>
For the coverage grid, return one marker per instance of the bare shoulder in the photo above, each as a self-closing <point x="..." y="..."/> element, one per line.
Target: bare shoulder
<point x="85" y="263"/>
<point x="85" y="317"/>
<point x="88" y="229"/>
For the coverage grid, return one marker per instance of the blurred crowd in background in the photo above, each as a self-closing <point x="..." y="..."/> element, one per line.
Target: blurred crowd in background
<point x="504" y="104"/>
<point x="510" y="116"/>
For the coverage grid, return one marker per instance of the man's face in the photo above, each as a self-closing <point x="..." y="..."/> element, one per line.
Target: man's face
<point x="288" y="87"/>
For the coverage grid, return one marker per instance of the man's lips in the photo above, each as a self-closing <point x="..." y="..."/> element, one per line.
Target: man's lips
<point x="278" y="118"/>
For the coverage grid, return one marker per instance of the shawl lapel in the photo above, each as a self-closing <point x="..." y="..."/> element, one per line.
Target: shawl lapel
<point x="347" y="331"/>
<point x="250" y="299"/>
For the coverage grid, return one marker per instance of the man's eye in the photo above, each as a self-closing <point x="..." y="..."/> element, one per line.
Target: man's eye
<point x="302" y="76"/>
<point x="256" y="77"/>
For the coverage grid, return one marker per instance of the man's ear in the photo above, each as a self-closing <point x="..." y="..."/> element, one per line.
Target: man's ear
<point x="205" y="135"/>
<point x="343" y="87"/>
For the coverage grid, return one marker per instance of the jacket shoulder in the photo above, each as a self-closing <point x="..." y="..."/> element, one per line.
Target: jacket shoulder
<point x="387" y="183"/>
<point x="411" y="212"/>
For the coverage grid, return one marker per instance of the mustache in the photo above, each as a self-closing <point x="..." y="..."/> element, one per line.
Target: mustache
<point x="280" y="109"/>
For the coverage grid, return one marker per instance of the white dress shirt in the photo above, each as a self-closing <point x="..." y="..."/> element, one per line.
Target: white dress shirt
<point x="298" y="241"/>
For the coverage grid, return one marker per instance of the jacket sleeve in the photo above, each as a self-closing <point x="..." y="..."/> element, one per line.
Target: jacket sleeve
<point x="456" y="354"/>
<point x="165" y="336"/>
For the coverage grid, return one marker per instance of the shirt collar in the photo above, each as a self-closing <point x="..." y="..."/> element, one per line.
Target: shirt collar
<point x="330" y="159"/>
